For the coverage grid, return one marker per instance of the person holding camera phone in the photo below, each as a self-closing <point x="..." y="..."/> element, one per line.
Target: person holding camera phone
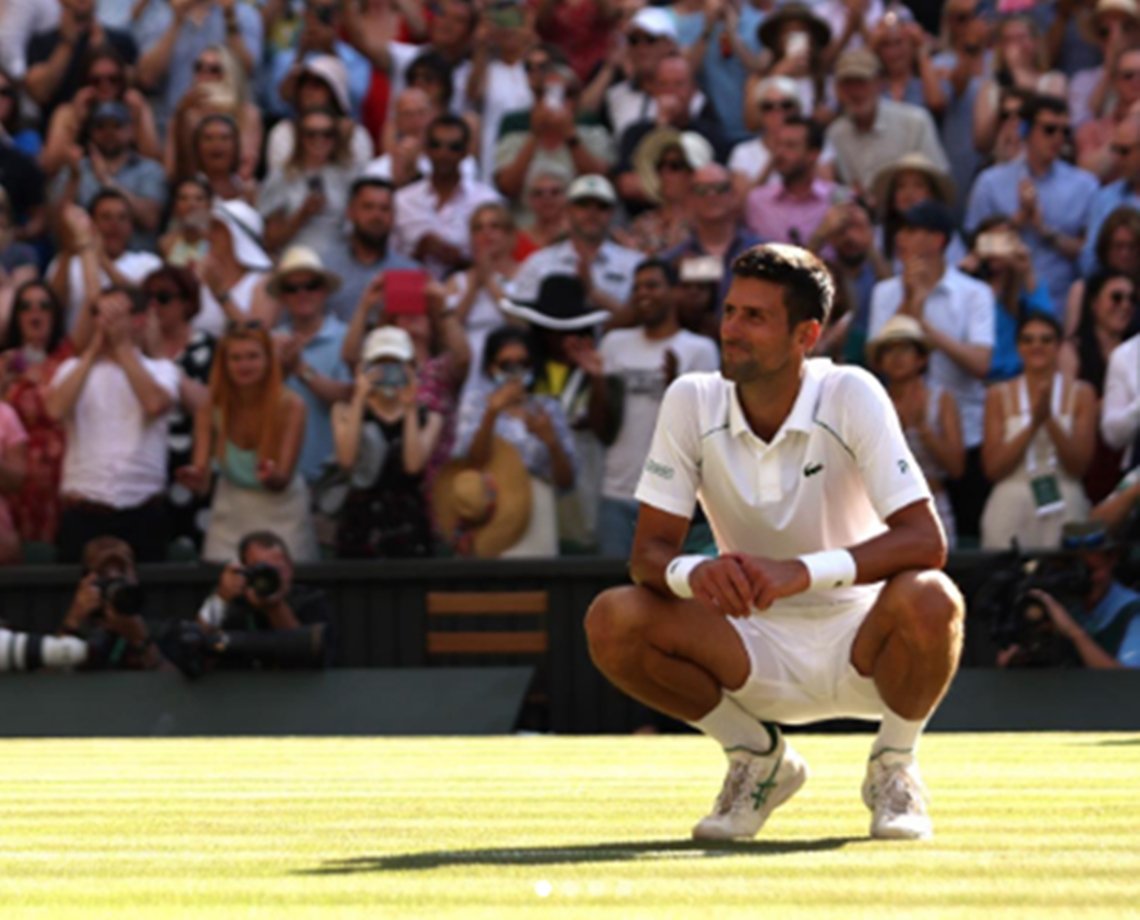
<point x="384" y="437"/>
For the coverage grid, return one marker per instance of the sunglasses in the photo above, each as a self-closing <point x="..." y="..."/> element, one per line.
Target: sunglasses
<point x="25" y="305"/>
<point x="1044" y="339"/>
<point x="105" y="79"/>
<point x="310" y="287"/>
<point x="453" y="146"/>
<point x="163" y="297"/>
<point x="708" y="189"/>
<point x="1128" y="74"/>
<point x="963" y="16"/>
<point x="513" y="367"/>
<point x="1119" y="297"/>
<point x="546" y="192"/>
<point x="673" y="166"/>
<point x="784" y="105"/>
<point x="642" y="38"/>
<point x="1053" y="130"/>
<point x="1121" y="150"/>
<point x="593" y="204"/>
<point x="214" y="70"/>
<point x="319" y="134"/>
<point x="534" y="66"/>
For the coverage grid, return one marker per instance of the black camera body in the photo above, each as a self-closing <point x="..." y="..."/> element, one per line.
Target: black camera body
<point x="262" y="579"/>
<point x="125" y="596"/>
<point x="1017" y="618"/>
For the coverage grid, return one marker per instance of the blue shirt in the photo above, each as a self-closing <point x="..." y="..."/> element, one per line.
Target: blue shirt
<point x="956" y="128"/>
<point x="359" y="77"/>
<point x="322" y="354"/>
<point x="1119" y="601"/>
<point x="1064" y="194"/>
<point x="1005" y="362"/>
<point x="1114" y="195"/>
<point x="722" y="78"/>
<point x="337" y="257"/>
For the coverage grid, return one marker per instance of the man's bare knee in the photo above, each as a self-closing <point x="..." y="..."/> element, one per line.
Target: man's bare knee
<point x="930" y="612"/>
<point x="615" y="625"/>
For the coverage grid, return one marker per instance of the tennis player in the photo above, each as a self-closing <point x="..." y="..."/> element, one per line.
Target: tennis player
<point x="826" y="598"/>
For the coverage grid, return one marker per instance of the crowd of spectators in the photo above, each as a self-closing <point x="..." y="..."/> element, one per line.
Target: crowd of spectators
<point x="395" y="278"/>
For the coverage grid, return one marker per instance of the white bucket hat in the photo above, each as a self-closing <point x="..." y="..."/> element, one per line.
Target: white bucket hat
<point x="246" y="231"/>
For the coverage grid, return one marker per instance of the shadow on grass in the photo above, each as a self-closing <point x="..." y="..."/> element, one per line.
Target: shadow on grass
<point x="1117" y="742"/>
<point x="571" y="855"/>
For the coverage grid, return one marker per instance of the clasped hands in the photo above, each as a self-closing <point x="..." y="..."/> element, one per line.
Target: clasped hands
<point x="734" y="583"/>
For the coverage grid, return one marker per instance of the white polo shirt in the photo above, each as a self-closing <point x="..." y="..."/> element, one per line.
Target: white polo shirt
<point x="1120" y="415"/>
<point x="420" y="212"/>
<point x="612" y="270"/>
<point x="835" y="471"/>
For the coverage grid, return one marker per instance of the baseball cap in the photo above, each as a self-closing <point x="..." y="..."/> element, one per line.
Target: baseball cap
<point x="858" y="63"/>
<point x="387" y="342"/>
<point x="930" y="215"/>
<point x="655" y="21"/>
<point x="111" y="111"/>
<point x="592" y="186"/>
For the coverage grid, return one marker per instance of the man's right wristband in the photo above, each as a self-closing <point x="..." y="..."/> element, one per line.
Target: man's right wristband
<point x="677" y="574"/>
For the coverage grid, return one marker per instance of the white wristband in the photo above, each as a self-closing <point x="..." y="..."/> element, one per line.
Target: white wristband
<point x="832" y="568"/>
<point x="677" y="574"/>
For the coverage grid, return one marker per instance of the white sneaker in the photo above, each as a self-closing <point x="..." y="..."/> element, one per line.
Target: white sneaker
<point x="894" y="792"/>
<point x="756" y="785"/>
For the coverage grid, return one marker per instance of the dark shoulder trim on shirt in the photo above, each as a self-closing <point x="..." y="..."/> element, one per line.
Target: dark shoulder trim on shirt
<point x="835" y="434"/>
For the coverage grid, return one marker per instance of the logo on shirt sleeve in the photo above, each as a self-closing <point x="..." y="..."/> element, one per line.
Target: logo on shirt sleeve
<point x="658" y="469"/>
<point x="904" y="467"/>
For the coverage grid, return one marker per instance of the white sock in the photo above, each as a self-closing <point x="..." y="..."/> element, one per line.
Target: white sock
<point x="897" y="735"/>
<point x="729" y="724"/>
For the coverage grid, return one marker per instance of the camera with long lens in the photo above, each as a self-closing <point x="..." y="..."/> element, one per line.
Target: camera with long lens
<point x="125" y="596"/>
<point x="1017" y="618"/>
<point x="194" y="649"/>
<point x="262" y="579"/>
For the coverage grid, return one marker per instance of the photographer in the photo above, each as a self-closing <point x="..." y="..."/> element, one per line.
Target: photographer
<point x="257" y="616"/>
<point x="1103" y="626"/>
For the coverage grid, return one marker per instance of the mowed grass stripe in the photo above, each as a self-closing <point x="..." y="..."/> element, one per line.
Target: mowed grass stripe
<point x="583" y="828"/>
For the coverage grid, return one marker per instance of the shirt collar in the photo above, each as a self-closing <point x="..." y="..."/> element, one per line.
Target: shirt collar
<point x="802" y="416"/>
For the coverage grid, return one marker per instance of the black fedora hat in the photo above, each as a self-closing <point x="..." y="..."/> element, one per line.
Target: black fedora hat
<point x="560" y="305"/>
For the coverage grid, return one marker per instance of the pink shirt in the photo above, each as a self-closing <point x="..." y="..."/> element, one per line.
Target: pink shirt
<point x="777" y="217"/>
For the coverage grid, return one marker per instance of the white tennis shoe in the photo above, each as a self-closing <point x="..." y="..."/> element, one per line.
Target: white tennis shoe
<point x="756" y="785"/>
<point x="894" y="792"/>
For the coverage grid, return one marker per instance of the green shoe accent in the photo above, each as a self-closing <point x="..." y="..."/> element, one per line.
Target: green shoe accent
<point x="887" y="750"/>
<point x="764" y="788"/>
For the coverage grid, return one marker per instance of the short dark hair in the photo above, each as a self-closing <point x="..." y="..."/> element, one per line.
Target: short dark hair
<point x="266" y="539"/>
<point x="109" y="194"/>
<point x="438" y="66"/>
<point x="133" y="295"/>
<point x="809" y="291"/>
<point x="1040" y="316"/>
<point x="667" y="268"/>
<point x="502" y="337"/>
<point x="450" y="120"/>
<point x="813" y="128"/>
<point x="1038" y="103"/>
<point x="366" y="182"/>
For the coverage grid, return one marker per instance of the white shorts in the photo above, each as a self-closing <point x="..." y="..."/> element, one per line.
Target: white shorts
<point x="801" y="667"/>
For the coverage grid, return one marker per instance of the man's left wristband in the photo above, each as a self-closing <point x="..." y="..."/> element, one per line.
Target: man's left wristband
<point x="677" y="574"/>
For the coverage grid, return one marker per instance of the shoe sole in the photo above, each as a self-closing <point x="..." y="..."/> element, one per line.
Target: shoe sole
<point x="888" y="833"/>
<point x="794" y="785"/>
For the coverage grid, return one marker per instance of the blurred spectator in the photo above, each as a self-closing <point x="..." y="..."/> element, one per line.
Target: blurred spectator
<point x="1123" y="193"/>
<point x="172" y="300"/>
<point x="502" y="404"/>
<point x="450" y="33"/>
<point x="789" y="208"/>
<point x="233" y="273"/>
<point x="19" y="21"/>
<point x="433" y="215"/>
<point x="717" y="231"/>
<point x="357" y="257"/>
<point x="908" y="73"/>
<point x="629" y="374"/>
<point x="220" y="87"/>
<point x="475" y="293"/>
<point x="797" y="38"/>
<point x="698" y="296"/>
<point x="184" y="243"/>
<point x="582" y="31"/>
<point x="1108" y="316"/>
<point x="1119" y="512"/>
<point x="499" y="83"/>
<point x="1008" y="140"/>
<point x="34" y="348"/>
<point x="547" y="136"/>
<point x="1096" y="139"/>
<point x="1120" y="411"/>
<point x="173" y="35"/>
<point x="680" y="106"/>
<point x="304" y="203"/>
<point x="404" y="160"/>
<point x="18" y="261"/>
<point x="1019" y="62"/>
<point x="1073" y="44"/>
<point x="605" y="268"/>
<point x="95" y="253"/>
<point x="1038" y="443"/>
<point x="1116" y="249"/>
<point x="956" y="313"/>
<point x="22" y="179"/>
<point x="665" y="160"/>
<point x="56" y="57"/>
<point x="546" y="202"/>
<point x="216" y="157"/>
<point x="872" y="131"/>
<point x="384" y="438"/>
<point x="321" y="82"/>
<point x="1047" y="198"/>
<point x="114" y="464"/>
<point x="13" y="472"/>
<point x="899" y="186"/>
<point x="1111" y="27"/>
<point x="111" y="163"/>
<point x="105" y="79"/>
<point x="928" y="413"/>
<point x="25" y="139"/>
<point x="309" y="342"/>
<point x="250" y="429"/>
<point x="771" y="101"/>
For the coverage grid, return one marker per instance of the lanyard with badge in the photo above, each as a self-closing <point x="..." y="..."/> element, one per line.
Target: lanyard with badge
<point x="1041" y="457"/>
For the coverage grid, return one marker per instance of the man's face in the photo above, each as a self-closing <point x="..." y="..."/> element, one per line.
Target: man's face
<point x="1126" y="148"/>
<point x="446" y="149"/>
<point x="322" y="17"/>
<point x="1047" y="136"/>
<point x="274" y="556"/>
<point x="303" y="294"/>
<point x="590" y="219"/>
<point x="652" y="296"/>
<point x="111" y="137"/>
<point x="674" y="77"/>
<point x="412" y="113"/>
<point x="711" y="194"/>
<point x="859" y="97"/>
<point x="646" y="52"/>
<point x="82" y="11"/>
<point x="452" y="25"/>
<point x="112" y="221"/>
<point x="537" y="64"/>
<point x="371" y="213"/>
<point x="1127" y="81"/>
<point x="791" y="156"/>
<point x="854" y="239"/>
<point x="756" y="343"/>
<point x="919" y="243"/>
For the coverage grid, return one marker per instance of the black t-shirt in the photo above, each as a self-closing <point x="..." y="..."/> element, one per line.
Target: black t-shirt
<point x="309" y="605"/>
<point x="42" y="44"/>
<point x="23" y="180"/>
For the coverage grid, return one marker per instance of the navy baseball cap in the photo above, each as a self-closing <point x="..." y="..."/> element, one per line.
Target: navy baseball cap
<point x="930" y="215"/>
<point x="111" y="111"/>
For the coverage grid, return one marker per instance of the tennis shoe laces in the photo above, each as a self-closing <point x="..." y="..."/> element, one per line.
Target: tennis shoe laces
<point x="894" y="792"/>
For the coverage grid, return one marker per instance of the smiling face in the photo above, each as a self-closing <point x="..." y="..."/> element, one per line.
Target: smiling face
<point x="318" y="137"/>
<point x="303" y="294"/>
<point x="35" y="316"/>
<point x="652" y="296"/>
<point x="247" y="362"/>
<point x="112" y="220"/>
<point x="217" y="148"/>
<point x="900" y="360"/>
<point x="1115" y="305"/>
<point x="757" y="343"/>
<point x="107" y="79"/>
<point x="1039" y="346"/>
<point x="909" y="188"/>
